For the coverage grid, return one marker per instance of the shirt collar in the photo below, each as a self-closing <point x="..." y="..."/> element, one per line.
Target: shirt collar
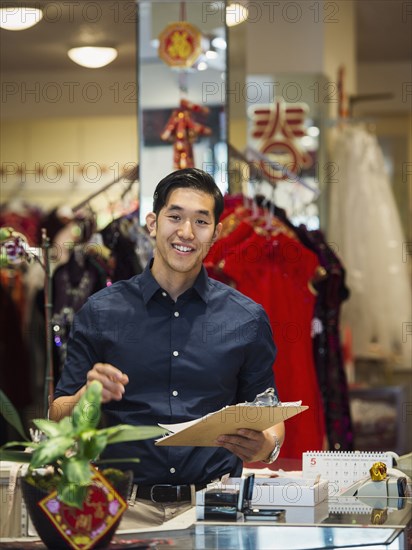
<point x="150" y="286"/>
<point x="202" y="285"/>
<point x="148" y="283"/>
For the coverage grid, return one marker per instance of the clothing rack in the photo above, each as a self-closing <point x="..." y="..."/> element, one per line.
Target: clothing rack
<point x="131" y="177"/>
<point x="255" y="173"/>
<point x="277" y="166"/>
<point x="361" y="98"/>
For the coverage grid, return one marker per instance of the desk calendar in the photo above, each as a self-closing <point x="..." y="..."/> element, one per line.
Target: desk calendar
<point x="342" y="468"/>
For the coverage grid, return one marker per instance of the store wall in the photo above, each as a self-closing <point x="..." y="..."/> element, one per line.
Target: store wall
<point x="61" y="160"/>
<point x="301" y="37"/>
<point x="385" y="78"/>
<point x="391" y="120"/>
<point x="65" y="135"/>
<point x="84" y="92"/>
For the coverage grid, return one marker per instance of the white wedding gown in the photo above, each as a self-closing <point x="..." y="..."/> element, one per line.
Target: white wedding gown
<point x="365" y="230"/>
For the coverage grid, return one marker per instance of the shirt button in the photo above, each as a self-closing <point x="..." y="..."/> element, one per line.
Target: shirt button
<point x="175" y="393"/>
<point x="175" y="353"/>
<point x="176" y="314"/>
<point x="164" y="293"/>
<point x="172" y="470"/>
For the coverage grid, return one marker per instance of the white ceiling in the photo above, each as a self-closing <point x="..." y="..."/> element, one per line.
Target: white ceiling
<point x="67" y="24"/>
<point x="383" y="33"/>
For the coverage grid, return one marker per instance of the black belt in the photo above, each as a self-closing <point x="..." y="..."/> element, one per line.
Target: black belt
<point x="166" y="493"/>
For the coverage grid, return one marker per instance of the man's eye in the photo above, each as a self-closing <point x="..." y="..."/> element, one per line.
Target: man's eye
<point x="202" y="222"/>
<point x="174" y="217"/>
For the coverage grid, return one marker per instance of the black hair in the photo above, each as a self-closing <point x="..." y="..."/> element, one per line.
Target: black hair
<point x="192" y="178"/>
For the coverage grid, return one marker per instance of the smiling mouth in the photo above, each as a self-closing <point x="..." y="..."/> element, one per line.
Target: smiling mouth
<point x="182" y="248"/>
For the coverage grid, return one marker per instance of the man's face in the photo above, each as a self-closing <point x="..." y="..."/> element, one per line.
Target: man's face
<point x="184" y="230"/>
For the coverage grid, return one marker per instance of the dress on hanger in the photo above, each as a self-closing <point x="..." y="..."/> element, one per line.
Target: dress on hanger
<point x="331" y="293"/>
<point x="365" y="227"/>
<point x="274" y="270"/>
<point x="272" y="267"/>
<point x="130" y="249"/>
<point x="72" y="283"/>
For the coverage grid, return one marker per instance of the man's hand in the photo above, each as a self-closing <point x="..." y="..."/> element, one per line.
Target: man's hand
<point x="112" y="379"/>
<point x="248" y="445"/>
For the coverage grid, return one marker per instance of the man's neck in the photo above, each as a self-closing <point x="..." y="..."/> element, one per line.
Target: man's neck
<point x="174" y="284"/>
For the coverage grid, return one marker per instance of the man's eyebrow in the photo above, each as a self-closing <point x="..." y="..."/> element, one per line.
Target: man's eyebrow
<point x="180" y="209"/>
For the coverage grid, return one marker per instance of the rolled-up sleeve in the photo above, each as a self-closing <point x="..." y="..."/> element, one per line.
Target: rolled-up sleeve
<point x="260" y="353"/>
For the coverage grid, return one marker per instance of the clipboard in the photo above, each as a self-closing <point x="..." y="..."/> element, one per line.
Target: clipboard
<point x="203" y="432"/>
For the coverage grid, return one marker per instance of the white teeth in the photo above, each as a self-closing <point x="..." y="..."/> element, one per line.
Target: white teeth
<point x="182" y="248"/>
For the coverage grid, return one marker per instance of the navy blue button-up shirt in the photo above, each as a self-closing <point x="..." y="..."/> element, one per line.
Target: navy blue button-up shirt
<point x="211" y="348"/>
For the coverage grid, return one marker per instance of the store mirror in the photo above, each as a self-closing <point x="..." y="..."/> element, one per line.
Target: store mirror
<point x="163" y="145"/>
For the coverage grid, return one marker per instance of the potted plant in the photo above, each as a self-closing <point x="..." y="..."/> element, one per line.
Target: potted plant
<point x="63" y="485"/>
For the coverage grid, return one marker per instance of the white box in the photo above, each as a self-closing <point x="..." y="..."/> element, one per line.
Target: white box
<point x="277" y="491"/>
<point x="287" y="491"/>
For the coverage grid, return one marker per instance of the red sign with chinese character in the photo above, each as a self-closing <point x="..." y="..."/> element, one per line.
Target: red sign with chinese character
<point x="82" y="528"/>
<point x="180" y="44"/>
<point x="279" y="128"/>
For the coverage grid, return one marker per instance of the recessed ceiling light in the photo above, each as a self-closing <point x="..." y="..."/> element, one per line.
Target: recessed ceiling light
<point x="236" y="13"/>
<point x="201" y="66"/>
<point x="19" y="19"/>
<point x="92" y="57"/>
<point x="219" y="43"/>
<point x="313" y="131"/>
<point x="211" y="54"/>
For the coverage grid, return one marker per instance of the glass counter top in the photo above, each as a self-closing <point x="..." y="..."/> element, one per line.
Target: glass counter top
<point x="344" y="522"/>
<point x="273" y="537"/>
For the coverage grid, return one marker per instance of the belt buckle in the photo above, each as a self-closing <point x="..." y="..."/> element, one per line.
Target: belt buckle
<point x="154" y="487"/>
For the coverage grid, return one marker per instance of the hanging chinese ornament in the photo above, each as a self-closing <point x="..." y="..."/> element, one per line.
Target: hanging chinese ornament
<point x="180" y="44"/>
<point x="183" y="131"/>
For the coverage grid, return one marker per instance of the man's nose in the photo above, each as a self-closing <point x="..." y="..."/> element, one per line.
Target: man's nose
<point x="185" y="230"/>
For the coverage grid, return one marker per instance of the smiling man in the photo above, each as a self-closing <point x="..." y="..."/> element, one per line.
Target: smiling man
<point x="171" y="345"/>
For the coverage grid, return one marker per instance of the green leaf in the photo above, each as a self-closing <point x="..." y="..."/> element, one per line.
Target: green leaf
<point x="126" y="432"/>
<point x="86" y="414"/>
<point x="72" y="494"/>
<point x="94" y="445"/>
<point x="19" y="444"/>
<point x="54" y="429"/>
<point x="77" y="471"/>
<point x="66" y="425"/>
<point x="50" y="450"/>
<point x="9" y="412"/>
<point x="15" y="456"/>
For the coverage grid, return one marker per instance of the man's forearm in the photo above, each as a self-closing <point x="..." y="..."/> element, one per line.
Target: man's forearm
<point x="63" y="406"/>
<point x="279" y="431"/>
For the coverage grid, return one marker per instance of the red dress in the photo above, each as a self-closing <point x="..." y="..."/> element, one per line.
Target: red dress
<point x="225" y="246"/>
<point x="274" y="270"/>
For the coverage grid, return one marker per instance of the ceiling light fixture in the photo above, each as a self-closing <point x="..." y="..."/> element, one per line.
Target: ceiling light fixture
<point x="92" y="57"/>
<point x="201" y="66"/>
<point x="219" y="43"/>
<point x="211" y="53"/>
<point x="236" y="13"/>
<point x="19" y="19"/>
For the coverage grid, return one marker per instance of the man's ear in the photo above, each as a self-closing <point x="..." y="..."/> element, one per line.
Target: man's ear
<point x="216" y="234"/>
<point x="151" y="223"/>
